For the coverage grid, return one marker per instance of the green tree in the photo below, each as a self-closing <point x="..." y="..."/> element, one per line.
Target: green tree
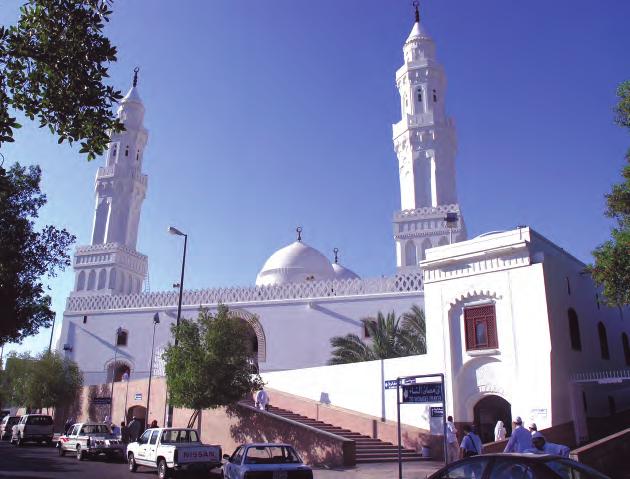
<point x="612" y="259"/>
<point x="389" y="337"/>
<point x="48" y="380"/>
<point x="26" y="255"/>
<point x="211" y="365"/>
<point x="53" y="64"/>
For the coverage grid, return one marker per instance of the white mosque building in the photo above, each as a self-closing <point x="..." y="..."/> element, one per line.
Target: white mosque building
<point x="513" y="321"/>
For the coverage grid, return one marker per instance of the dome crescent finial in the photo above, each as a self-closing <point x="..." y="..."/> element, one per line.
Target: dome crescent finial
<point x="298" y="230"/>
<point x="135" y="75"/>
<point x="416" y="4"/>
<point x="336" y="251"/>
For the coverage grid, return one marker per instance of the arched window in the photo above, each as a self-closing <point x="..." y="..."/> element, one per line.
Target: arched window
<point x="91" y="280"/>
<point x="121" y="338"/>
<point x="626" y="348"/>
<point x="568" y="286"/>
<point x="574" y="330"/>
<point x="411" y="258"/>
<point x="127" y="151"/>
<point x="81" y="281"/>
<point x="434" y="95"/>
<point x="480" y="324"/>
<point x="603" y="341"/>
<point x="419" y="92"/>
<point x="102" y="279"/>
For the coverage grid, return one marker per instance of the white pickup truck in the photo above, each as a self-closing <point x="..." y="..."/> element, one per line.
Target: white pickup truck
<point x="172" y="449"/>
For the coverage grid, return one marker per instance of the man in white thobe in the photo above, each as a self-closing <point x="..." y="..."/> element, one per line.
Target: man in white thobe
<point x="452" y="450"/>
<point x="262" y="399"/>
<point x="541" y="446"/>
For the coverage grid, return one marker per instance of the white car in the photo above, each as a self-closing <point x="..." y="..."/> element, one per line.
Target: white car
<point x="265" y="460"/>
<point x="90" y="439"/>
<point x="6" y="426"/>
<point x="172" y="449"/>
<point x="33" y="428"/>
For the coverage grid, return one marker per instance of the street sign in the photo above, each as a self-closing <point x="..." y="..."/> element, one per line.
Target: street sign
<point x="391" y="384"/>
<point x="138" y="397"/>
<point x="101" y="401"/>
<point x="422" y="393"/>
<point x="437" y="411"/>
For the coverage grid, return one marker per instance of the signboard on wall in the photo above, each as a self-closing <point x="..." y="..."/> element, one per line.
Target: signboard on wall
<point x="393" y="383"/>
<point x="101" y="401"/>
<point x="422" y="393"/>
<point x="137" y="397"/>
<point x="437" y="411"/>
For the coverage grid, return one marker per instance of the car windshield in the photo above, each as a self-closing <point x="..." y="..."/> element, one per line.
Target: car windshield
<point x="271" y="455"/>
<point x="174" y="436"/>
<point x="13" y="420"/>
<point x="95" y="429"/>
<point x="39" y="420"/>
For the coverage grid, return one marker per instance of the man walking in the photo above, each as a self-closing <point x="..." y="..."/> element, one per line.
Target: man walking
<point x="541" y="446"/>
<point x="471" y="444"/>
<point x="452" y="450"/>
<point x="262" y="399"/>
<point x="134" y="429"/>
<point x="521" y="438"/>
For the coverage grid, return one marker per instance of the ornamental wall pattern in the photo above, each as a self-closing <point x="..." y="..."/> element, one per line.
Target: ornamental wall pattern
<point x="402" y="282"/>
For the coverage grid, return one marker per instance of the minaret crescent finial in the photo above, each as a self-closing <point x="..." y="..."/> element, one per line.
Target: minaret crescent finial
<point x="135" y="76"/>
<point x="336" y="251"/>
<point x="416" y="4"/>
<point x="298" y="230"/>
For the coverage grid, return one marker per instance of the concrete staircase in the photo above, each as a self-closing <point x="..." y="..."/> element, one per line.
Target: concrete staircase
<point x="367" y="449"/>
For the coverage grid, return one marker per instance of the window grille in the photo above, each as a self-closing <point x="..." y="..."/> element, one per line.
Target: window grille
<point x="481" y="327"/>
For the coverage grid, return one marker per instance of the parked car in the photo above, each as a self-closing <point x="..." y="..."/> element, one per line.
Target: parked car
<point x="265" y="461"/>
<point x="172" y="449"/>
<point x="88" y="439"/>
<point x="529" y="466"/>
<point x="33" y="428"/>
<point x="6" y="426"/>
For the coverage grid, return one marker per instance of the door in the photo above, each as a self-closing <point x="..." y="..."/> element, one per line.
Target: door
<point x="71" y="443"/>
<point x="143" y="448"/>
<point x="152" y="447"/>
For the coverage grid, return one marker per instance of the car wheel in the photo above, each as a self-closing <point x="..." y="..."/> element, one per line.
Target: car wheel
<point x="162" y="469"/>
<point x="133" y="467"/>
<point x="20" y="441"/>
<point x="60" y="450"/>
<point x="80" y="453"/>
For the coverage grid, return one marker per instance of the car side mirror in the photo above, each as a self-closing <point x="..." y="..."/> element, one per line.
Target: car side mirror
<point x="226" y="457"/>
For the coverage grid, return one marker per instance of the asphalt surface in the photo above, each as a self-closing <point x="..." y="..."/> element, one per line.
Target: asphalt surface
<point x="42" y="462"/>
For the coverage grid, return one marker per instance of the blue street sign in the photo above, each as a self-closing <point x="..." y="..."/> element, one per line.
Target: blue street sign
<point x="391" y="384"/>
<point x="422" y="393"/>
<point x="138" y="397"/>
<point x="437" y="411"/>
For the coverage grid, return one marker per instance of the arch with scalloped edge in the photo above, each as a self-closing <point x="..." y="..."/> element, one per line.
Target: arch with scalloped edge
<point x="252" y="320"/>
<point x="472" y="296"/>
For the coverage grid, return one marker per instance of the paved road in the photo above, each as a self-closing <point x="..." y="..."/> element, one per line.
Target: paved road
<point x="40" y="462"/>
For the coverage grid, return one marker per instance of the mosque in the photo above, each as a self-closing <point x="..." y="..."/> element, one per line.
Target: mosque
<point x="514" y="322"/>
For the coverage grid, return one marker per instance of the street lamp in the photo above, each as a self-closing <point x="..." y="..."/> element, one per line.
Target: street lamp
<point x="451" y="223"/>
<point x="174" y="231"/>
<point x="156" y="321"/>
<point x="111" y="396"/>
<point x="125" y="377"/>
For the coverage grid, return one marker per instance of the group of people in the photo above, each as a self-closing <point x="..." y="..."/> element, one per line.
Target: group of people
<point x="521" y="440"/>
<point x="126" y="432"/>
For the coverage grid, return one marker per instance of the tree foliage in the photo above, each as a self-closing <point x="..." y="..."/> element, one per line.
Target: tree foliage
<point x="389" y="337"/>
<point x="48" y="380"/>
<point x="211" y="365"/>
<point x="53" y="64"/>
<point x="26" y="255"/>
<point x="612" y="259"/>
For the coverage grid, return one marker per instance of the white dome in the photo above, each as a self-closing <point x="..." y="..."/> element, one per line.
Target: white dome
<point x="294" y="263"/>
<point x="342" y="272"/>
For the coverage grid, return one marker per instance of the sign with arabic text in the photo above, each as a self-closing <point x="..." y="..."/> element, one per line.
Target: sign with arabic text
<point x="422" y="393"/>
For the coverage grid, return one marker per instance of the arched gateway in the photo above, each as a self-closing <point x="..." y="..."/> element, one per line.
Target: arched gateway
<point x="488" y="411"/>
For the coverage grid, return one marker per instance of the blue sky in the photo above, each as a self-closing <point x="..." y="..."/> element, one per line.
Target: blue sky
<point x="266" y="115"/>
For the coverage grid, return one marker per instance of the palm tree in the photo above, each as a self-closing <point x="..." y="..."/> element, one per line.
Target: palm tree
<point x="390" y="337"/>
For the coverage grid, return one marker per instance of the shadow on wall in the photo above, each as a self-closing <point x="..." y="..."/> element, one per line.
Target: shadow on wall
<point x="97" y="412"/>
<point x="252" y="426"/>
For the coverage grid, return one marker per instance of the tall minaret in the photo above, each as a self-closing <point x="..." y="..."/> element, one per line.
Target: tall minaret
<point x="425" y="143"/>
<point x="111" y="264"/>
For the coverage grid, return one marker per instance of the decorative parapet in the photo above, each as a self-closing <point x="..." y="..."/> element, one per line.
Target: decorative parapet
<point x="402" y="282"/>
<point x="437" y="211"/>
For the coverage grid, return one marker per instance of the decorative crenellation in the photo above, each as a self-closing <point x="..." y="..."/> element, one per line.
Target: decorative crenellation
<point x="472" y="266"/>
<point x="402" y="282"/>
<point x="439" y="210"/>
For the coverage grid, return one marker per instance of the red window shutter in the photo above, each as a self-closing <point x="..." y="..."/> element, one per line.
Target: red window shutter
<point x="481" y="314"/>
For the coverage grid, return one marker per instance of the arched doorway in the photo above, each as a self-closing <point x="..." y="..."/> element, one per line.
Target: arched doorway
<point x="252" y="344"/>
<point x="140" y="413"/>
<point x="118" y="369"/>
<point x="488" y="411"/>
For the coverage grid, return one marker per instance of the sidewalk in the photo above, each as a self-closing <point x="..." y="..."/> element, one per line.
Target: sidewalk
<point x="411" y="470"/>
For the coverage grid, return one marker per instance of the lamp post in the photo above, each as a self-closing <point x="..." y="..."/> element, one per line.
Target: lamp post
<point x="452" y="220"/>
<point x="174" y="231"/>
<point x="125" y="377"/>
<point x="111" y="396"/>
<point x="156" y="321"/>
